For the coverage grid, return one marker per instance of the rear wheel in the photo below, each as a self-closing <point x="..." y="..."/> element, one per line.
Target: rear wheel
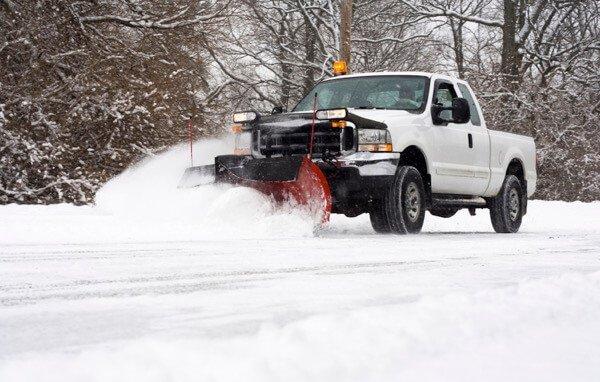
<point x="506" y="209"/>
<point x="405" y="201"/>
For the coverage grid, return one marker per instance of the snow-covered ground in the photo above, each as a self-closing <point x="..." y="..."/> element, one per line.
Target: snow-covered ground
<point x="160" y="284"/>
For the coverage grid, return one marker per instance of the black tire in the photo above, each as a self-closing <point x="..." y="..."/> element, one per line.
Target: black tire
<point x="405" y="201"/>
<point x="378" y="218"/>
<point x="506" y="209"/>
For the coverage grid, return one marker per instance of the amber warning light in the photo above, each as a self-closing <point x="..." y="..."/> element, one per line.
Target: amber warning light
<point x="340" y="68"/>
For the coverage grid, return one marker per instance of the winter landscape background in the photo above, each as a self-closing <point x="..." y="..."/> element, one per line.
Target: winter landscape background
<point x="109" y="272"/>
<point x="89" y="87"/>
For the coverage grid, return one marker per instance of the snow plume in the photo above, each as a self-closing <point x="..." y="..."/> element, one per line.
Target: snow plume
<point x="147" y="192"/>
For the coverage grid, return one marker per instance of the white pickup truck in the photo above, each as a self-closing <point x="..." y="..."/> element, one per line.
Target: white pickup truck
<point x="391" y="144"/>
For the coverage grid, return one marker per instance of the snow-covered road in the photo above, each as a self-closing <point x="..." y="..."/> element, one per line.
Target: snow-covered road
<point x="184" y="294"/>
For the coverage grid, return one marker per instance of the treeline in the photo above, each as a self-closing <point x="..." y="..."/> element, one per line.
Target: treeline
<point x="88" y="87"/>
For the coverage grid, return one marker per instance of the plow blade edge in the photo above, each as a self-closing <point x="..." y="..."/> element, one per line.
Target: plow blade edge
<point x="197" y="176"/>
<point x="295" y="179"/>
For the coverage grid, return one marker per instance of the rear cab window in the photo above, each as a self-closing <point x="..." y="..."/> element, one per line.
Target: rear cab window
<point x="466" y="93"/>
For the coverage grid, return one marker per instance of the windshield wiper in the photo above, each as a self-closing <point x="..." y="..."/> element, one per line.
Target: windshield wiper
<point x="370" y="107"/>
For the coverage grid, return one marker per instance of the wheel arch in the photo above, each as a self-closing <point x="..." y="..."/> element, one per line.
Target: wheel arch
<point x="414" y="156"/>
<point x="515" y="167"/>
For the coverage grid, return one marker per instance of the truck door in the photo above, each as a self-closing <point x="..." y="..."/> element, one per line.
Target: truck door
<point x="454" y="155"/>
<point x="479" y="142"/>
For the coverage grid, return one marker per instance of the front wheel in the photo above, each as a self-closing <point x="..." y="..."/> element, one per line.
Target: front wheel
<point x="378" y="217"/>
<point x="506" y="209"/>
<point x="405" y="201"/>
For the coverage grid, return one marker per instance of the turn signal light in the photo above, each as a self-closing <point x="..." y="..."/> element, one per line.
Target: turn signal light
<point x="236" y="129"/>
<point x="338" y="124"/>
<point x="340" y="68"/>
<point x="383" y="147"/>
<point x="243" y="151"/>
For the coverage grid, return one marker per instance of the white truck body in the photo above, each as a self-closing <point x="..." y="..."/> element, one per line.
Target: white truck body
<point x="462" y="159"/>
<point x="390" y="144"/>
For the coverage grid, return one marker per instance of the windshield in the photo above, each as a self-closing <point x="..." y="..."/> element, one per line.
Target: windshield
<point x="376" y="92"/>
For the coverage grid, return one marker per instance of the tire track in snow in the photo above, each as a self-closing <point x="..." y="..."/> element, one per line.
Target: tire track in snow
<point x="18" y="294"/>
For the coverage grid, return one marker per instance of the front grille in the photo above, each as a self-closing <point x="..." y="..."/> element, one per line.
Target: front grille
<point x="297" y="143"/>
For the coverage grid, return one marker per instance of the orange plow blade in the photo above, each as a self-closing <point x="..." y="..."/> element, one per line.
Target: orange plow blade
<point x="310" y="189"/>
<point x="295" y="179"/>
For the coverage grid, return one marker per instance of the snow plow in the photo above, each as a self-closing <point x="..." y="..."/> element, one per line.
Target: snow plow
<point x="289" y="179"/>
<point x="291" y="157"/>
<point x="393" y="145"/>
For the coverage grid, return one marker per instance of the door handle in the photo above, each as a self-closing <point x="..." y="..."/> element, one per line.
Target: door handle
<point x="470" y="136"/>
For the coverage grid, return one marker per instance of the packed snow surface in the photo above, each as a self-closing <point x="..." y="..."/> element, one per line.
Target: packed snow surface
<point x="156" y="283"/>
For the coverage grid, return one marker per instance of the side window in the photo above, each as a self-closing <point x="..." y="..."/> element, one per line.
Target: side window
<point x="475" y="119"/>
<point x="444" y="94"/>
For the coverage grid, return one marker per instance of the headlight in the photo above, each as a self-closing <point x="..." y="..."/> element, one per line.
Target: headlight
<point x="374" y="140"/>
<point x="244" y="116"/>
<point x="332" y="114"/>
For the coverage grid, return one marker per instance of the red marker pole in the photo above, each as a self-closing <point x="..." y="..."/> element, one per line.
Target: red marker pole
<point x="312" y="128"/>
<point x="191" y="136"/>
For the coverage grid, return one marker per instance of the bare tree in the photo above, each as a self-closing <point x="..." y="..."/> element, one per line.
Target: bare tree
<point x="87" y="87"/>
<point x="345" y="29"/>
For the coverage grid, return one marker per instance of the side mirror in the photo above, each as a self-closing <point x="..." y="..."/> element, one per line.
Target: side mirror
<point x="436" y="110"/>
<point x="461" y="113"/>
<point x="277" y="110"/>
